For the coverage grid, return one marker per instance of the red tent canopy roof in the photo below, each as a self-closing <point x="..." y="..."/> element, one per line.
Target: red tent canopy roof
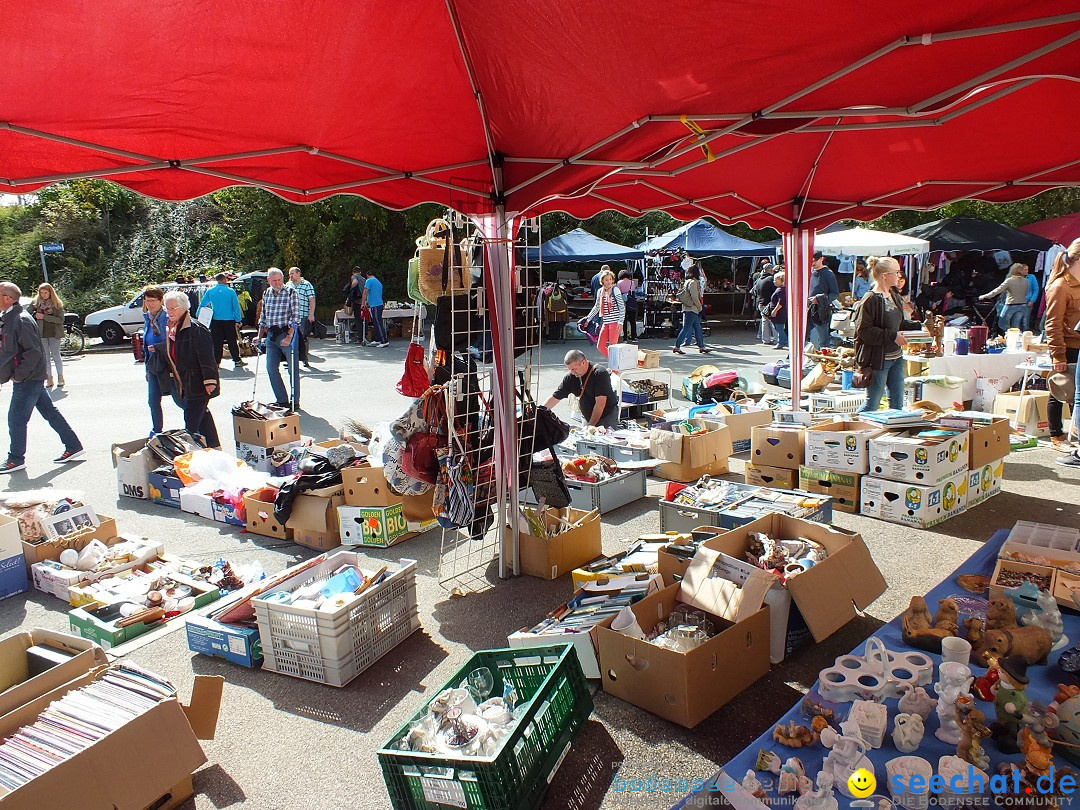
<point x="1062" y="230"/>
<point x="792" y="112"/>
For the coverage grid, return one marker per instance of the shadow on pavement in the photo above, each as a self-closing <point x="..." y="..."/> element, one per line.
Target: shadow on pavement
<point x="214" y="783"/>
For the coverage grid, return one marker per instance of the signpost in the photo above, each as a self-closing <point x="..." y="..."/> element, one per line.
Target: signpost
<point x="49" y="247"/>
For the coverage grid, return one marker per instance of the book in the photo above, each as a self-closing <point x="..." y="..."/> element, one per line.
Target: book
<point x="893" y="416"/>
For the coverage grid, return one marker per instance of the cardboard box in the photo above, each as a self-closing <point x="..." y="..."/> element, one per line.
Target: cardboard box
<point x="583" y="641"/>
<point x="165" y="489"/>
<point x="196" y="503"/>
<point x="314" y="521"/>
<point x="901" y="456"/>
<point x="842" y="486"/>
<point x="690" y="457"/>
<point x="826" y="597"/>
<point x="684" y="688"/>
<point x="17" y="687"/>
<point x="777" y="445"/>
<point x="988" y="443"/>
<point x="997" y="588"/>
<point x="50" y="549"/>
<point x="622" y="356"/>
<point x="778" y="477"/>
<point x="227" y="513"/>
<point x="160" y="747"/>
<point x="267" y="433"/>
<point x="260" y="519"/>
<point x="419" y="511"/>
<point x="13" y="567"/>
<point x="262" y="458"/>
<point x="551" y="557"/>
<point x="133" y="463"/>
<point x="233" y="642"/>
<point x="647" y="358"/>
<point x="922" y="505"/>
<point x="380" y="526"/>
<point x="985" y="481"/>
<point x="366" y="486"/>
<point x="1029" y="413"/>
<point x="50" y="577"/>
<point x="841" y="446"/>
<point x="740" y="421"/>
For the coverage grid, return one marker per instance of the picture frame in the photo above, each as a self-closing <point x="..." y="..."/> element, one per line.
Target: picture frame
<point x="73" y="520"/>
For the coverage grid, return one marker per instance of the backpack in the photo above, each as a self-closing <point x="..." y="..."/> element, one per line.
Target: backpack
<point x="556" y="301"/>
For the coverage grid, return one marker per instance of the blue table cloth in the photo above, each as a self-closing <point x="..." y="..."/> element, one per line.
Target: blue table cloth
<point x="1040" y="690"/>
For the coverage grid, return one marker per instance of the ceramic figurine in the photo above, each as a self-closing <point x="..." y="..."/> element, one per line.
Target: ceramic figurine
<point x="752" y="785"/>
<point x="948" y="616"/>
<point x="1047" y="617"/>
<point x="986" y="685"/>
<point x="848" y="754"/>
<point x="908" y="730"/>
<point x="954" y="680"/>
<point x="1024" y="597"/>
<point x="820" y="798"/>
<point x="973" y="728"/>
<point x="917" y="626"/>
<point x="1010" y="702"/>
<point x="1000" y="614"/>
<point x="878" y="674"/>
<point x="790" y="772"/>
<point x="1038" y="761"/>
<point x="1066" y="707"/>
<point x="916" y="701"/>
<point x="872" y="720"/>
<point x="767" y="761"/>
<point x="1032" y="643"/>
<point x="974" y="627"/>
<point x="794" y="736"/>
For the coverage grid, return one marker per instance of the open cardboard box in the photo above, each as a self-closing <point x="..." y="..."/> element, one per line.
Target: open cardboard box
<point x="827" y="596"/>
<point x="267" y="432"/>
<point x="50" y="549"/>
<point x="840" y="446"/>
<point x="159" y="749"/>
<point x="777" y="445"/>
<point x="690" y="457"/>
<point x="551" y="557"/>
<point x="775" y="477"/>
<point x="684" y="687"/>
<point x="133" y="463"/>
<point x="314" y="520"/>
<point x="16" y="685"/>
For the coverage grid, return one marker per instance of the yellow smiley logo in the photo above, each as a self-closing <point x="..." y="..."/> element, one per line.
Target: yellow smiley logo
<point x="861" y="783"/>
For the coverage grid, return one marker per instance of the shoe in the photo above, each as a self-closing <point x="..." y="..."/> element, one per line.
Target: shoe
<point x="60" y="382"/>
<point x="239" y="364"/>
<point x="1071" y="460"/>
<point x="11" y="466"/>
<point x="677" y="350"/>
<point x="68" y="455"/>
<point x="383" y="345"/>
<point x="49" y="382"/>
<point x="1061" y="444"/>
<point x="705" y="351"/>
<point x="307" y="367"/>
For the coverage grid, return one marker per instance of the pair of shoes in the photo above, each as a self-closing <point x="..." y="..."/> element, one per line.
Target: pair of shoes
<point x="705" y="351"/>
<point x="49" y="382"/>
<point x="68" y="455"/>
<point x="60" y="382"/>
<point x="1061" y="443"/>
<point x="677" y="350"/>
<point x="11" y="466"/>
<point x="1071" y="460"/>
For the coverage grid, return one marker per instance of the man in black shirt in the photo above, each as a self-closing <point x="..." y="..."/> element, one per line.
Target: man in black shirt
<point x="592" y="386"/>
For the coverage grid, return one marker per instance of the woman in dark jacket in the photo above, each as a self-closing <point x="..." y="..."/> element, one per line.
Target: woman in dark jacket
<point x="878" y="342"/>
<point x="190" y="350"/>
<point x="158" y="370"/>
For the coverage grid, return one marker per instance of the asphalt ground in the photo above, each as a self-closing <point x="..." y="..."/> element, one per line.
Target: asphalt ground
<point x="288" y="743"/>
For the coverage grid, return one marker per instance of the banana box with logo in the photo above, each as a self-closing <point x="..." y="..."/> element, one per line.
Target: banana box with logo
<point x="985" y="481"/>
<point x="840" y="446"/>
<point x="921" y="505"/>
<point x="921" y="456"/>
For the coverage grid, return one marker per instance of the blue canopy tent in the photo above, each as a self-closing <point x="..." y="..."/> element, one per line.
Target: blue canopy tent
<point x="701" y="238"/>
<point x="581" y="246"/>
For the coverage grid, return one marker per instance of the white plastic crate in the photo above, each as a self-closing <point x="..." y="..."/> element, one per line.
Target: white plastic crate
<point x="837" y="401"/>
<point x="331" y="645"/>
<point x="1044" y="535"/>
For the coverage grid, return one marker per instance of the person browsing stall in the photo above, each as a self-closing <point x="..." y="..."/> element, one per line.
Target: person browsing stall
<point x="823" y="291"/>
<point x="225" y="305"/>
<point x="277" y="323"/>
<point x="611" y="308"/>
<point x="878" y="342"/>
<point x="305" y="294"/>
<point x="1015" y="288"/>
<point x="373" y="300"/>
<point x="591" y="383"/>
<point x="190" y="352"/>
<point x="1063" y="336"/>
<point x="157" y="369"/>
<point x="22" y="362"/>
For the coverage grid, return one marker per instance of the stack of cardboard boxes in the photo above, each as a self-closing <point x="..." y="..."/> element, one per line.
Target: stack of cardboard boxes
<point x="776" y="453"/>
<point x="371" y="515"/>
<point x="837" y="456"/>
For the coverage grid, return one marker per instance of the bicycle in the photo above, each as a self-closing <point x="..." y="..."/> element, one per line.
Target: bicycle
<point x="74" y="340"/>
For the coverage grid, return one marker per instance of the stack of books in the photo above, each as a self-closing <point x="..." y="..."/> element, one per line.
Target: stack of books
<point x="894" y="417"/>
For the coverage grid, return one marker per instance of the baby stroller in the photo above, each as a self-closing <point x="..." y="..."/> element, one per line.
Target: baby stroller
<point x="986" y="314"/>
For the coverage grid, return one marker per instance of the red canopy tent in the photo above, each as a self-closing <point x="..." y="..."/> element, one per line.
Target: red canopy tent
<point x="1062" y="230"/>
<point x="775" y="113"/>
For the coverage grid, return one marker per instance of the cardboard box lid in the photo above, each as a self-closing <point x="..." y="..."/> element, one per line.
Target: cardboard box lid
<point x="842" y="426"/>
<point x="720" y="596"/>
<point x="125" y="449"/>
<point x="315" y="512"/>
<point x="830" y="594"/>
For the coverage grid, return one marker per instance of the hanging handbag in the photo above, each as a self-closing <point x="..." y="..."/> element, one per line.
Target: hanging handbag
<point x="414" y="382"/>
<point x="457" y="507"/>
<point x="448" y="275"/>
<point x="397" y="480"/>
<point x="413" y="283"/>
<point x="457" y="324"/>
<point x="549" y="484"/>
<point x="526" y="324"/>
<point x="431" y="249"/>
<point x="538" y="428"/>
<point x="419" y="460"/>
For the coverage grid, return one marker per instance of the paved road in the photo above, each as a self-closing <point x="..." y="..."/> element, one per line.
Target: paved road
<point x="287" y="743"/>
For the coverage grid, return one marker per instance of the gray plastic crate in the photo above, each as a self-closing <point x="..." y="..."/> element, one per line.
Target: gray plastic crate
<point x="608" y="495"/>
<point x="615" y="452"/>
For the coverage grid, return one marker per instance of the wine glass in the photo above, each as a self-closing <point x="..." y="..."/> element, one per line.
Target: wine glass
<point x="482" y="682"/>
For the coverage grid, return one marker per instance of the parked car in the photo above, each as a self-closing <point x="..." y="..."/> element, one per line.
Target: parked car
<point x="113" y="324"/>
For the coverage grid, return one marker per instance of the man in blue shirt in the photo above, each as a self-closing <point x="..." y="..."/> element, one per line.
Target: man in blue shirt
<point x="221" y="298"/>
<point x="373" y="300"/>
<point x="1032" y="298"/>
<point x="823" y="291"/>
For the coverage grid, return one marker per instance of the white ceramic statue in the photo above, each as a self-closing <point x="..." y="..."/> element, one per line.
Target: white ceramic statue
<point x="908" y="732"/>
<point x="1047" y="617"/>
<point x="847" y="755"/>
<point x="916" y="701"/>
<point x="820" y="798"/>
<point x="954" y="680"/>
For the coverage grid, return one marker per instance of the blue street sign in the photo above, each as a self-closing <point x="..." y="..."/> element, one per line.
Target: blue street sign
<point x="53" y="247"/>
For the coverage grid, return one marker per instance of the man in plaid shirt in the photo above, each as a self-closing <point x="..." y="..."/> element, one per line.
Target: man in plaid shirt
<point x="305" y="292"/>
<point x="278" y="324"/>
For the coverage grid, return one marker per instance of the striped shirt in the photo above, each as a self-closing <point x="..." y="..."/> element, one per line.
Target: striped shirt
<point x="279" y="308"/>
<point x="609" y="306"/>
<point x="304" y="291"/>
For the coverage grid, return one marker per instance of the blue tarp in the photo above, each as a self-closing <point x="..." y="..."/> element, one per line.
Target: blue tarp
<point x="700" y="238"/>
<point x="581" y="246"/>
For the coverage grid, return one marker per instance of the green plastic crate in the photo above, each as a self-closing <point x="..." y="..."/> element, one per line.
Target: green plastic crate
<point x="556" y="700"/>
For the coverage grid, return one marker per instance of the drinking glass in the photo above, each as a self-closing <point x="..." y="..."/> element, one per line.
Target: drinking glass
<point x="482" y="681"/>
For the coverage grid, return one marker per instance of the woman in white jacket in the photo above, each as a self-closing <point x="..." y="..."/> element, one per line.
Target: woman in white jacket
<point x="611" y="307"/>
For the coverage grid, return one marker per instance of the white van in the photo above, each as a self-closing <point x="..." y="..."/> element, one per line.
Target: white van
<point x="112" y="325"/>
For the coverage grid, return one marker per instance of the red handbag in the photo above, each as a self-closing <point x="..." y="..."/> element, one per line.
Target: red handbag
<point x="419" y="460"/>
<point x="414" y="382"/>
